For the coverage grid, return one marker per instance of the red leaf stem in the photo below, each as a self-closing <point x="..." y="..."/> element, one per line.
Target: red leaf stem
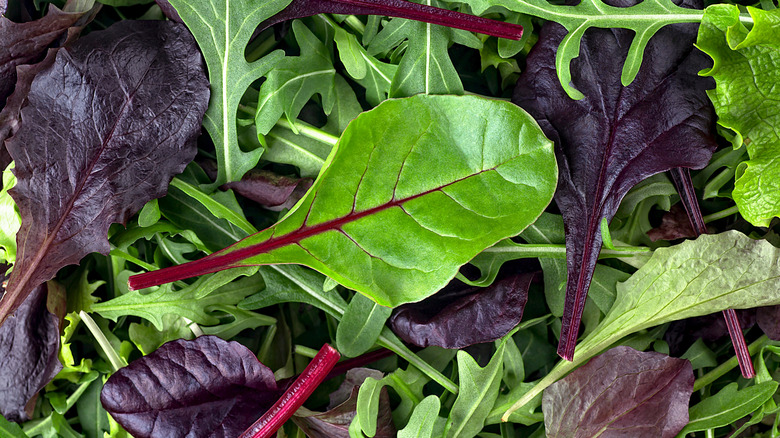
<point x="293" y="398"/>
<point x="684" y="183"/>
<point x="355" y="362"/>
<point x="396" y="8"/>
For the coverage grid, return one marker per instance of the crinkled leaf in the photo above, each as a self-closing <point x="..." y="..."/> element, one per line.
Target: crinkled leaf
<point x="272" y="191"/>
<point x="747" y="100"/>
<point x="212" y="388"/>
<point x="727" y="406"/>
<point x="623" y="391"/>
<point x="10" y="221"/>
<point x="616" y="136"/>
<point x="460" y="174"/>
<point x="461" y="316"/>
<point x="123" y="126"/>
<point x="29" y="345"/>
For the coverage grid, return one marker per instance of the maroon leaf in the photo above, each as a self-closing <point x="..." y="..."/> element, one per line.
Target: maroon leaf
<point x="457" y="317"/>
<point x="169" y="11"/>
<point x="616" y="136"/>
<point x="29" y="344"/>
<point x="622" y="392"/>
<point x="683" y="333"/>
<point x="395" y="8"/>
<point x="123" y="107"/>
<point x="334" y="423"/>
<point x="674" y="225"/>
<point x="768" y="319"/>
<point x="275" y="192"/>
<point x="206" y="387"/>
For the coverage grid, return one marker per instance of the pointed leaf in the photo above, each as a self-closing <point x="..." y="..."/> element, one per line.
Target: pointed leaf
<point x="462" y="173"/>
<point x="616" y="136"/>
<point x="131" y="122"/>
<point x="423" y="419"/>
<point x="360" y="326"/>
<point x="728" y="406"/>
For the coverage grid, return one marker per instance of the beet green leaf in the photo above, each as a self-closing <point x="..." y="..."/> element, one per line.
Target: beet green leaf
<point x="616" y="136"/>
<point x="446" y="176"/>
<point x="622" y="391"/>
<point x="123" y="107"/>
<point x="746" y="100"/>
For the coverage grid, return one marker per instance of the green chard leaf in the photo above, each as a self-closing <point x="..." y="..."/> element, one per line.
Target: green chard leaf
<point x="697" y="277"/>
<point x="222" y="29"/>
<point x="449" y="175"/>
<point x="747" y="100"/>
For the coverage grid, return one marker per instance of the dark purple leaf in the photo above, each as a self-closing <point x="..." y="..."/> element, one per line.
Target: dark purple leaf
<point x="616" y="136"/>
<point x="275" y="192"/>
<point x="462" y="316"/>
<point x="674" y="225"/>
<point x="768" y="319"/>
<point x="169" y="11"/>
<point x="124" y="108"/>
<point x="206" y="387"/>
<point x="395" y="8"/>
<point x="334" y="423"/>
<point x="622" y="392"/>
<point x="29" y="344"/>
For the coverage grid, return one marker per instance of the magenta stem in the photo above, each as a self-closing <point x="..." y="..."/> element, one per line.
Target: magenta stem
<point x="293" y="398"/>
<point x="362" y="360"/>
<point x="740" y="347"/>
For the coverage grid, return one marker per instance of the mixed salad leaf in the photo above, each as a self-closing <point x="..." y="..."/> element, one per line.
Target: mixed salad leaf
<point x="446" y="192"/>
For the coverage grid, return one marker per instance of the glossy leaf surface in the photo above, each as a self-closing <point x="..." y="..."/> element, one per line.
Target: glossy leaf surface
<point x="121" y="129"/>
<point x="746" y="100"/>
<point x="616" y="136"/>
<point x="623" y="391"/>
<point x="462" y="174"/>
<point x="212" y="388"/>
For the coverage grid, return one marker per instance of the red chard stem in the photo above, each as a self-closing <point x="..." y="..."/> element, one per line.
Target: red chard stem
<point x="684" y="183"/>
<point x="293" y="398"/>
<point x="396" y="8"/>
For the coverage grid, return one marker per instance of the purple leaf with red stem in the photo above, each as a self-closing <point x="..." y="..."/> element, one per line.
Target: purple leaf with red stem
<point x="396" y="8"/>
<point x="682" y="180"/>
<point x="314" y="374"/>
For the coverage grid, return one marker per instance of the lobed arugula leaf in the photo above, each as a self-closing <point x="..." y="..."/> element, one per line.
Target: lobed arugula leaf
<point x="485" y="163"/>
<point x="747" y="99"/>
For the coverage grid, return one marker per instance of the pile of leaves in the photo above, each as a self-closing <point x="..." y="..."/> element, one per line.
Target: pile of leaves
<point x="360" y="218"/>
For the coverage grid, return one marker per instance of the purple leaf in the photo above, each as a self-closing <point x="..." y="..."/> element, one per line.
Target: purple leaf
<point x="674" y="225"/>
<point x="622" y="392"/>
<point x="123" y="107"/>
<point x="169" y="11"/>
<point x="206" y="387"/>
<point x="29" y="344"/>
<point x="334" y="423"/>
<point x="462" y="316"/>
<point x="682" y="334"/>
<point x="395" y="8"/>
<point x="275" y="192"/>
<point x="768" y="319"/>
<point x="616" y="136"/>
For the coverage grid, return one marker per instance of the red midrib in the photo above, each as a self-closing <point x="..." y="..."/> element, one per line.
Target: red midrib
<point x="226" y="258"/>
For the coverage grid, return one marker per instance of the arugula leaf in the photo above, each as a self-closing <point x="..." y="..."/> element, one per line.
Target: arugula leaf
<point x="141" y="131"/>
<point x="621" y="390"/>
<point x="746" y="100"/>
<point x="485" y="163"/>
<point x="360" y="326"/>
<point x="374" y="75"/>
<point x="222" y="29"/>
<point x="727" y="406"/>
<point x="423" y="419"/>
<point x="616" y="136"/>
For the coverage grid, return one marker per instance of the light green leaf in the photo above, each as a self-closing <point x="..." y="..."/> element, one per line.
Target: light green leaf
<point x="345" y="108"/>
<point x="644" y="19"/>
<point x="727" y="406"/>
<point x="695" y="278"/>
<point x="747" y="99"/>
<point x="285" y="146"/>
<point x="295" y="79"/>
<point x="374" y="75"/>
<point x="423" y="419"/>
<point x="448" y="175"/>
<point x="147" y="338"/>
<point x="368" y="405"/>
<point x="478" y="393"/>
<point x="10" y="430"/>
<point x="150" y="214"/>
<point x="10" y="220"/>
<point x="360" y="326"/>
<point x="222" y="29"/>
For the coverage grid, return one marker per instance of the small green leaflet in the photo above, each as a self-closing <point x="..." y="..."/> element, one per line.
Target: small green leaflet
<point x="414" y="189"/>
<point x="747" y="100"/>
<point x="360" y="326"/>
<point x="695" y="278"/>
<point x="645" y="19"/>
<point x="423" y="419"/>
<point x="222" y="29"/>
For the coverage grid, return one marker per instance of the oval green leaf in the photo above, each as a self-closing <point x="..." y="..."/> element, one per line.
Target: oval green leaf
<point x="414" y="189"/>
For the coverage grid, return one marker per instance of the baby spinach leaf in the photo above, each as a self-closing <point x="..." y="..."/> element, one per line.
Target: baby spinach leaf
<point x="727" y="406"/>
<point x="616" y="136"/>
<point x="622" y="390"/>
<point x="457" y="317"/>
<point x="463" y="173"/>
<point x="211" y="388"/>
<point x="746" y="99"/>
<point x="124" y="108"/>
<point x="29" y="344"/>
